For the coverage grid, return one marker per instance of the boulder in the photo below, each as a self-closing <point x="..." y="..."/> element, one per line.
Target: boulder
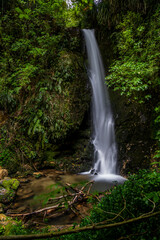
<point x="38" y="174"/>
<point x="10" y="183"/>
<point x="8" y="189"/>
<point x="93" y="171"/>
<point x="3" y="173"/>
<point x="6" y="195"/>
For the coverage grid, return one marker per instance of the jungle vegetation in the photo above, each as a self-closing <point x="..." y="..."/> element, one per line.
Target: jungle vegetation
<point x="42" y="78"/>
<point x="43" y="94"/>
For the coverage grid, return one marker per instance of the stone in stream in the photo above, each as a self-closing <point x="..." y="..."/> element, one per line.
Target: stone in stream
<point x="24" y="193"/>
<point x="38" y="174"/>
<point x="6" y="195"/>
<point x="24" y="180"/>
<point x="93" y="171"/>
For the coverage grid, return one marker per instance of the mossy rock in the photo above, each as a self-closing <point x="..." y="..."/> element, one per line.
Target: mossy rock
<point x="8" y="189"/>
<point x="10" y="184"/>
<point x="6" y="195"/>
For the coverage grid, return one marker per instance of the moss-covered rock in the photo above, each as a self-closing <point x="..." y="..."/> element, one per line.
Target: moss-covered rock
<point x="10" y="183"/>
<point x="6" y="195"/>
<point x="8" y="189"/>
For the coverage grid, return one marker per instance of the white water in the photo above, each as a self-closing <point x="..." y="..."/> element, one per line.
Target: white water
<point x="105" y="149"/>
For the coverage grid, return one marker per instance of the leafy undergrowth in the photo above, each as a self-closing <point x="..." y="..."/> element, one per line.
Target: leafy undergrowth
<point x="139" y="196"/>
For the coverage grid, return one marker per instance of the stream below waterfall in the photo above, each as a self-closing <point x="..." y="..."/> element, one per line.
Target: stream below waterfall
<point x="28" y="198"/>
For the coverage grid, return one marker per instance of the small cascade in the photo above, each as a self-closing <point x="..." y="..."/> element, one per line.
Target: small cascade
<point x="105" y="149"/>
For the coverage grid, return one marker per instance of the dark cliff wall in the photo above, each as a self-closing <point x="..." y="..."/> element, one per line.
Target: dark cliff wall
<point x="133" y="121"/>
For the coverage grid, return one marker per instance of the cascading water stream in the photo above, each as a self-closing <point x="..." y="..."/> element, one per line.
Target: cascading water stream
<point x="105" y="150"/>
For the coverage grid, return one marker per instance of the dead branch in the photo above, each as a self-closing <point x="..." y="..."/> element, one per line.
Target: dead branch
<point x="89" y="189"/>
<point x="61" y="197"/>
<point x="56" y="215"/>
<point x="91" y="182"/>
<point x="74" y="210"/>
<point x="36" y="212"/>
<point x="72" y="188"/>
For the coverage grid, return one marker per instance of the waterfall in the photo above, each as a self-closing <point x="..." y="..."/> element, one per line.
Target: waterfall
<point x="105" y="149"/>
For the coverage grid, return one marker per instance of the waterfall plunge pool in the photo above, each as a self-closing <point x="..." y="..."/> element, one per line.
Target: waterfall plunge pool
<point x="103" y="182"/>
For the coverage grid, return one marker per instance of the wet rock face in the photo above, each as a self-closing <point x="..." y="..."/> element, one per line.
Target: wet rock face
<point x="76" y="156"/>
<point x="133" y="134"/>
<point x="93" y="172"/>
<point x="132" y="121"/>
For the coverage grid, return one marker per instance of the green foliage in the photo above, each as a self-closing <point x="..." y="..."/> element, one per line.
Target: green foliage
<point x="135" y="72"/>
<point x="110" y="12"/>
<point x="77" y="13"/>
<point x="36" y="39"/>
<point x="138" y="196"/>
<point x="6" y="156"/>
<point x="41" y="79"/>
<point x="14" y="148"/>
<point x="16" y="227"/>
<point x="157" y="124"/>
<point x="156" y="165"/>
